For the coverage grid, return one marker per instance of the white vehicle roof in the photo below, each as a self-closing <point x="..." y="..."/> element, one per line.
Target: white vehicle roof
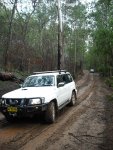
<point x="49" y="73"/>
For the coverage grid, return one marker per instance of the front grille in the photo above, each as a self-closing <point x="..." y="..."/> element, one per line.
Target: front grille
<point x="15" y="102"/>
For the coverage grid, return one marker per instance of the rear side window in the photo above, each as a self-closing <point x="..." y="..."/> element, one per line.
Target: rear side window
<point x="70" y="78"/>
<point x="67" y="78"/>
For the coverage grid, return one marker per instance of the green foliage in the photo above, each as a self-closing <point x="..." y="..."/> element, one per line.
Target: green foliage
<point x="109" y="81"/>
<point x="110" y="97"/>
<point x="101" y="49"/>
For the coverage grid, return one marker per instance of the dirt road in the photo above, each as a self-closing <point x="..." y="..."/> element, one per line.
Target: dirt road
<point x="88" y="125"/>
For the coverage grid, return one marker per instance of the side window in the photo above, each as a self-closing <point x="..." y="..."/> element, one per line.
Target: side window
<point x="65" y="78"/>
<point x="59" y="79"/>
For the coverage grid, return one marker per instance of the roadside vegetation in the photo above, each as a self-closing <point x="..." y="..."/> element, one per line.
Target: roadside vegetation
<point x="109" y="81"/>
<point x="29" y="36"/>
<point x="100" y="54"/>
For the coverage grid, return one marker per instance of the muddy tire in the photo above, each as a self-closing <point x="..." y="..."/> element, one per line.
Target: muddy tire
<point x="73" y="99"/>
<point x="50" y="114"/>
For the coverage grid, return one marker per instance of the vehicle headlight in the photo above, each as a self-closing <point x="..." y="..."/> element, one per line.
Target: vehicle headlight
<point x="35" y="101"/>
<point x="2" y="101"/>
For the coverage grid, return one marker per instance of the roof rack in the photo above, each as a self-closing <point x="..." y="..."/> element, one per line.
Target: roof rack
<point x="50" y="72"/>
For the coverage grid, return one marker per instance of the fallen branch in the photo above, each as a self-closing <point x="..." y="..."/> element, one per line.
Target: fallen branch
<point x="6" y="76"/>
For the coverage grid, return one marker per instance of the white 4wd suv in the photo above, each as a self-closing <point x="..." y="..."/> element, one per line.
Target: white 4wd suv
<point x="45" y="92"/>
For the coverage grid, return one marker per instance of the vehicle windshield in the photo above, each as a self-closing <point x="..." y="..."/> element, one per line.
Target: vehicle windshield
<point x="39" y="81"/>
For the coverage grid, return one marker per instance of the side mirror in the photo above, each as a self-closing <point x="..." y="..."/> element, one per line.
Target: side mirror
<point x="61" y="84"/>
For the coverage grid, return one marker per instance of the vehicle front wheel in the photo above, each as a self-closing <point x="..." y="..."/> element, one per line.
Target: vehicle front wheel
<point x="50" y="113"/>
<point x="73" y="99"/>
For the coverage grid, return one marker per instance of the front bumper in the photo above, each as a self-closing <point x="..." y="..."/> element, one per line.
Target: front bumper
<point x="22" y="111"/>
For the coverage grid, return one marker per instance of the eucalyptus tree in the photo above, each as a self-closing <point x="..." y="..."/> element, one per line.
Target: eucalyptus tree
<point x="9" y="35"/>
<point x="12" y="34"/>
<point x="4" y="13"/>
<point x="75" y="47"/>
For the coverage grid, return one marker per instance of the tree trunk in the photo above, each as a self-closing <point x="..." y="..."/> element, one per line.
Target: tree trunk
<point x="9" y="36"/>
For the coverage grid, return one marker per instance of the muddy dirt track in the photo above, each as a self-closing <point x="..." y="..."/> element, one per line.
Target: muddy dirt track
<point x="86" y="126"/>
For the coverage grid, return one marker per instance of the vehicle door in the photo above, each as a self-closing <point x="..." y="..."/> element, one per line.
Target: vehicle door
<point x="69" y="85"/>
<point x="61" y="91"/>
